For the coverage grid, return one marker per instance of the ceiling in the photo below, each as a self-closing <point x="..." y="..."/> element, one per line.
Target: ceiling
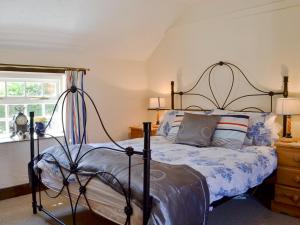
<point x="123" y="29"/>
<point x="126" y="29"/>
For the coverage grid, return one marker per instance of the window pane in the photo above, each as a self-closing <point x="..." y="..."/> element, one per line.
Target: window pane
<point x="12" y="110"/>
<point x="33" y="89"/>
<point x="37" y="109"/>
<point x="50" y="89"/>
<point x="2" y="127"/>
<point x="2" y="89"/>
<point x="2" y="111"/>
<point x="15" y="89"/>
<point x="49" y="109"/>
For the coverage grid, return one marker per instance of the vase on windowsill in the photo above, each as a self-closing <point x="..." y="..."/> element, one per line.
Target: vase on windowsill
<point x="40" y="126"/>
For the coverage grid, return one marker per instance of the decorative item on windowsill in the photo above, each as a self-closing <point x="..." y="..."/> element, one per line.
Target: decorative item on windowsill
<point x="287" y="107"/>
<point x="40" y="125"/>
<point x="157" y="103"/>
<point x="19" y="124"/>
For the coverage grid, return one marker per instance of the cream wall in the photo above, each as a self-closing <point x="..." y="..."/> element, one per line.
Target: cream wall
<point x="14" y="158"/>
<point x="259" y="39"/>
<point x="118" y="87"/>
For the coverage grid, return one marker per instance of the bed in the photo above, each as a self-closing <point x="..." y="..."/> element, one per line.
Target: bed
<point x="227" y="172"/>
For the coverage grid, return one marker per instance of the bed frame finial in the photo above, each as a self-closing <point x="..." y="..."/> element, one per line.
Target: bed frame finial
<point x="73" y="89"/>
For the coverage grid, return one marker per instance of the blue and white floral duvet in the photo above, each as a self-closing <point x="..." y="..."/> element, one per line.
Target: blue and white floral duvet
<point x="228" y="172"/>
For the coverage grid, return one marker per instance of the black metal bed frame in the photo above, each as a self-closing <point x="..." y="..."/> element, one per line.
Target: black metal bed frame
<point x="35" y="174"/>
<point x="214" y="101"/>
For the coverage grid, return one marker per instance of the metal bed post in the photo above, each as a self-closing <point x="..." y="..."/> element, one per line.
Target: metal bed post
<point x="31" y="164"/>
<point x="147" y="158"/>
<point x="172" y="94"/>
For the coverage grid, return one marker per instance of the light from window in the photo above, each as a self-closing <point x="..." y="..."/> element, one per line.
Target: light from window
<point x="37" y="92"/>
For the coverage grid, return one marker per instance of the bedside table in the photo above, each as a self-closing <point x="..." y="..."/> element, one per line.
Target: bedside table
<point x="287" y="187"/>
<point x="137" y="131"/>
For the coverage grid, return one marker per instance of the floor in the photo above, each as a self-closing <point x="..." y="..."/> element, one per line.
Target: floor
<point x="17" y="211"/>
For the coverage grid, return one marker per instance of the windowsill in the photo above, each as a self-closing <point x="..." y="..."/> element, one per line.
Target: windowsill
<point x="4" y="140"/>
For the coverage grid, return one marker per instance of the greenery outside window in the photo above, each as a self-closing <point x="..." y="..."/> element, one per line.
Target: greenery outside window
<point x="37" y="92"/>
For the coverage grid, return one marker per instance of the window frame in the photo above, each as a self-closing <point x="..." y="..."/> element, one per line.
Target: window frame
<point x="8" y="76"/>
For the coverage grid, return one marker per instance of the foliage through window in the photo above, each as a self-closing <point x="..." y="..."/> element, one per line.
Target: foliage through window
<point x="37" y="92"/>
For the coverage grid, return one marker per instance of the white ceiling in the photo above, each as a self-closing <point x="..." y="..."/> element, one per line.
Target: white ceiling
<point x="124" y="29"/>
<point x="127" y="29"/>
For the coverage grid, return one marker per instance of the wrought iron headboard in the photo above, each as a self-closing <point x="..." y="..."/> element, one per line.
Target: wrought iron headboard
<point x="214" y="101"/>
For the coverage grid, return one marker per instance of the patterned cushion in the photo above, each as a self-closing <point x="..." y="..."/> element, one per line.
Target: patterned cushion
<point x="196" y="130"/>
<point x="166" y="124"/>
<point x="231" y="131"/>
<point x="262" y="129"/>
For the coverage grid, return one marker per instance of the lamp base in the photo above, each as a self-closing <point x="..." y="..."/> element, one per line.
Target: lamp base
<point x="287" y="132"/>
<point x="157" y="117"/>
<point x="155" y="126"/>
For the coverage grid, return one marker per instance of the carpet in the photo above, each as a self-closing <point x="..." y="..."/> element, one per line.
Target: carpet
<point x="17" y="211"/>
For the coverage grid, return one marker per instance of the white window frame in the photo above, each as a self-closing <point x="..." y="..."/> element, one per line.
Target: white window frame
<point x="58" y="78"/>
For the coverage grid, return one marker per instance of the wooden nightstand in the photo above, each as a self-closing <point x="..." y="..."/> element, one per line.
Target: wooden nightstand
<point x="287" y="187"/>
<point x="137" y="131"/>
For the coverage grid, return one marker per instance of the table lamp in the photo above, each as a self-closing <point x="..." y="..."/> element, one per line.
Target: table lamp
<point x="287" y="107"/>
<point x="157" y="103"/>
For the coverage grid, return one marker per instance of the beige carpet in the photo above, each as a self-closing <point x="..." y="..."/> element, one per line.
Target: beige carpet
<point x="17" y="211"/>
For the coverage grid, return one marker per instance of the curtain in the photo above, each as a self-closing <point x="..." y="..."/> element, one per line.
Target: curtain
<point x="75" y="110"/>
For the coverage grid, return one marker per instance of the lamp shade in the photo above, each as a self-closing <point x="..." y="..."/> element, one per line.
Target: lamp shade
<point x="288" y="106"/>
<point x="157" y="103"/>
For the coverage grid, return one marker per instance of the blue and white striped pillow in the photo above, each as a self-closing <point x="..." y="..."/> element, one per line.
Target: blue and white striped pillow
<point x="262" y="129"/>
<point x="231" y="131"/>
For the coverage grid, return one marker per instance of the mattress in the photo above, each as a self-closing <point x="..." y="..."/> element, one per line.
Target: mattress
<point x="102" y="199"/>
<point x="228" y="172"/>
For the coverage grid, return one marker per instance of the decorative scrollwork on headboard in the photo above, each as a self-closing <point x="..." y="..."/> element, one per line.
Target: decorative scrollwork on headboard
<point x="213" y="100"/>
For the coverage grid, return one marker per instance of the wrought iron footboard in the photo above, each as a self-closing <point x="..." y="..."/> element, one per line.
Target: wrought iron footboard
<point x="35" y="174"/>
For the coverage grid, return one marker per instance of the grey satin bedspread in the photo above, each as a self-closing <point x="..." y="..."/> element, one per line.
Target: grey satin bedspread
<point x="180" y="194"/>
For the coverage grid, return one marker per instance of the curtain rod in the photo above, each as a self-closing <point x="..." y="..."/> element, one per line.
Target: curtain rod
<point x="36" y="68"/>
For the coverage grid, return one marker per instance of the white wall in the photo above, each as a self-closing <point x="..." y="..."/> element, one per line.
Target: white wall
<point x="118" y="88"/>
<point x="14" y="158"/>
<point x="259" y="39"/>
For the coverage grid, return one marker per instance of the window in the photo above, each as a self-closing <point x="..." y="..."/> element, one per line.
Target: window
<point x="37" y="92"/>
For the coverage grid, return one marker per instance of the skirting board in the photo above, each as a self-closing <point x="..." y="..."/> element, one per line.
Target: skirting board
<point x="14" y="191"/>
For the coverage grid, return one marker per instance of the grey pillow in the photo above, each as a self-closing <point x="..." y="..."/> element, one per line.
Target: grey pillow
<point x="197" y="130"/>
